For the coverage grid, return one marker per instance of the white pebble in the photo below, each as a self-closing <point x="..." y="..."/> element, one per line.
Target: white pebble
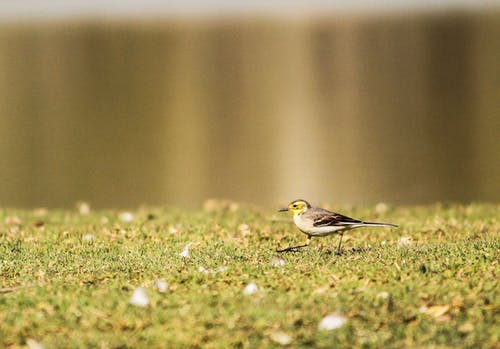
<point x="250" y="289"/>
<point x="126" y="217"/>
<point x="185" y="251"/>
<point x="278" y="262"/>
<point x="83" y="208"/>
<point x="88" y="237"/>
<point x="405" y="240"/>
<point x="33" y="344"/>
<point x="162" y="286"/>
<point x="280" y="338"/>
<point x="139" y="297"/>
<point x="331" y="322"/>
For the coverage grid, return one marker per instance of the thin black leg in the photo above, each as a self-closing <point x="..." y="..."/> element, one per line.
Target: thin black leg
<point x="340" y="244"/>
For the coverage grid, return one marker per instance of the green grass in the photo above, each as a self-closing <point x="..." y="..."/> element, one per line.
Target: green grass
<point x="439" y="291"/>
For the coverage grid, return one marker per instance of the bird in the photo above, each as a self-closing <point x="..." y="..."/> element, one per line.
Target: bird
<point x="315" y="221"/>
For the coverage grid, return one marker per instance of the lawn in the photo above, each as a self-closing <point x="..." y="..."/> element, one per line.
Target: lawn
<point x="67" y="279"/>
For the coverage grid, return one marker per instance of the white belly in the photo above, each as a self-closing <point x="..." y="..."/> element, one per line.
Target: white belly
<point x="308" y="228"/>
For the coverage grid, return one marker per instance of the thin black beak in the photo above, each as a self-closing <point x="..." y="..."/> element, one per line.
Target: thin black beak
<point x="283" y="209"/>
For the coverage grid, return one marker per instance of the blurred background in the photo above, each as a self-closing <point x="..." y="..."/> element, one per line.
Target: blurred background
<point x="149" y="102"/>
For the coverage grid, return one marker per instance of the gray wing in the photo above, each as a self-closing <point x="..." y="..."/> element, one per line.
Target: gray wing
<point x="324" y="218"/>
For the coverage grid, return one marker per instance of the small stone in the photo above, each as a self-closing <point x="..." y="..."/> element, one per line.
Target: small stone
<point x="278" y="262"/>
<point x="126" y="217"/>
<point x="405" y="240"/>
<point x="139" y="297"/>
<point x="162" y="286"/>
<point x="83" y="208"/>
<point x="280" y="338"/>
<point x="250" y="289"/>
<point x="185" y="251"/>
<point x="331" y="322"/>
<point x="88" y="237"/>
<point x="33" y="344"/>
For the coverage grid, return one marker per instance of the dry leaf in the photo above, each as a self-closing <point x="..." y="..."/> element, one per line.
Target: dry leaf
<point x="321" y="291"/>
<point x="435" y="310"/>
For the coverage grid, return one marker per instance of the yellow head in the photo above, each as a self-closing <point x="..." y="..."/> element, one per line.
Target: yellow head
<point x="297" y="207"/>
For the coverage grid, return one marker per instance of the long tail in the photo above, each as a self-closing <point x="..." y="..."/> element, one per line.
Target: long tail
<point x="375" y="224"/>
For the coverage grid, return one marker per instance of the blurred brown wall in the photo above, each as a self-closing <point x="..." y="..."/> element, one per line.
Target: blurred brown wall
<point x="401" y="109"/>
